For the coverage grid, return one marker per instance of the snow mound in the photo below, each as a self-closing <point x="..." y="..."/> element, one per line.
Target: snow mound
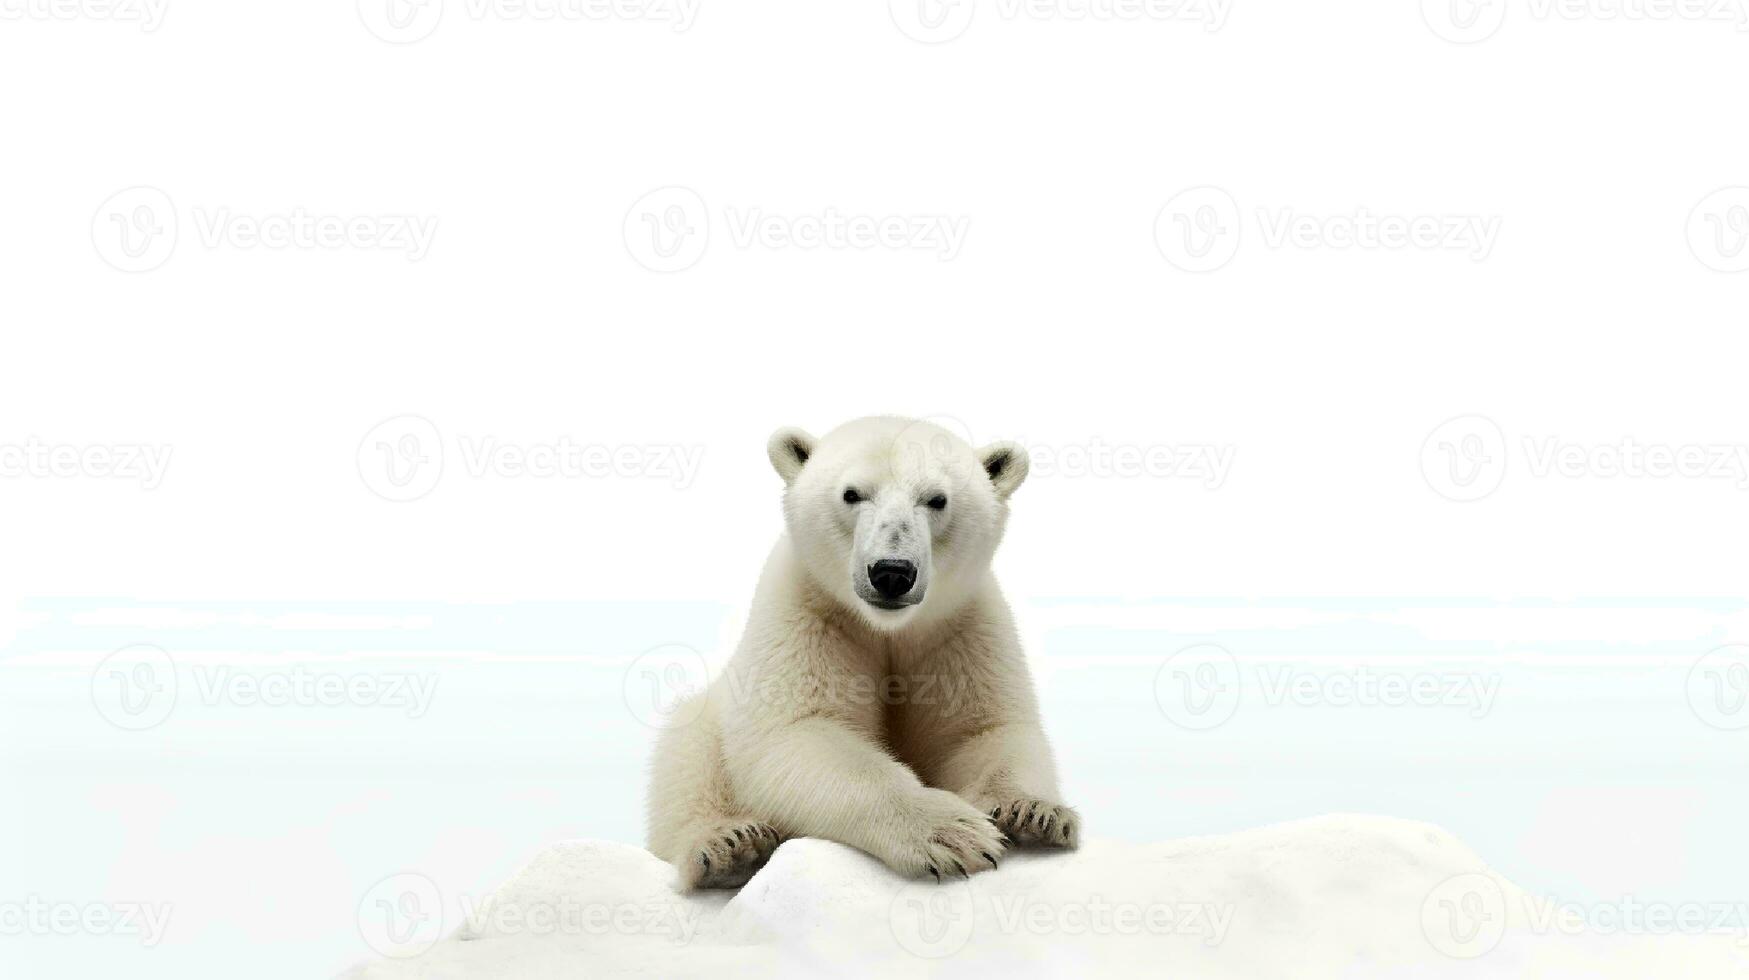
<point x="1331" y="896"/>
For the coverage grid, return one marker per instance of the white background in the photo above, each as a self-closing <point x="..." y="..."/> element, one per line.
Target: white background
<point x="1605" y="311"/>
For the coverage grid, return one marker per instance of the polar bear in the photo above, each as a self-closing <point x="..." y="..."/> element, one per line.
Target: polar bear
<point x="879" y="696"/>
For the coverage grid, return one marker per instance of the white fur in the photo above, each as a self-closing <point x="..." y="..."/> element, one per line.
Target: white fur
<point x="911" y="733"/>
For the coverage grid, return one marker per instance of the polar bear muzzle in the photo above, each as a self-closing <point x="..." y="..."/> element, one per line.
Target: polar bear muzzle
<point x="890" y="549"/>
<point x="892" y="579"/>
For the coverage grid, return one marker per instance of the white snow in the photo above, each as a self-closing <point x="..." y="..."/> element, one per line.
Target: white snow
<point x="1330" y="896"/>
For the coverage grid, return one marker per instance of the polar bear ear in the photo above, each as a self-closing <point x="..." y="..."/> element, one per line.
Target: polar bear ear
<point x="789" y="449"/>
<point x="1007" y="464"/>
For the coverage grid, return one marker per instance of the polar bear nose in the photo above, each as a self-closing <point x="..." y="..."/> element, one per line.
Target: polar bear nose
<point x="892" y="578"/>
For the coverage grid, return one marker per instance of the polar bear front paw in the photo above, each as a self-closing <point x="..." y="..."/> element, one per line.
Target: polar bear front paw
<point x="950" y="837"/>
<point x="729" y="854"/>
<point x="1030" y="821"/>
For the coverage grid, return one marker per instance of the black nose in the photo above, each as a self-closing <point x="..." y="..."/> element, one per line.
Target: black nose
<point x="892" y="579"/>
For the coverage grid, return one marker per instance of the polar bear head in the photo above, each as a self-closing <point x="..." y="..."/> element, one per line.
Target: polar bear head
<point x="896" y="519"/>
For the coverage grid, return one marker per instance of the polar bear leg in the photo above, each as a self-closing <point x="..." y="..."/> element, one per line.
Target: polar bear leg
<point x="1008" y="774"/>
<point x="817" y="777"/>
<point x="694" y="822"/>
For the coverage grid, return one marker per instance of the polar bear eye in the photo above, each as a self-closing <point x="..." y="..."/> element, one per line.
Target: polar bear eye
<point x="938" y="502"/>
<point x="851" y="496"/>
